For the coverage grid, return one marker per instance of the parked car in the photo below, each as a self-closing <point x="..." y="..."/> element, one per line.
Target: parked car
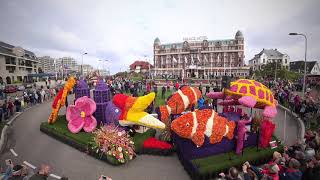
<point x="27" y="85"/>
<point x="10" y="89"/>
<point x="21" y="88"/>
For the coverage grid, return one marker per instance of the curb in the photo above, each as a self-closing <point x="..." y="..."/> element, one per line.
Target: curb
<point x="6" y="127"/>
<point x="301" y="128"/>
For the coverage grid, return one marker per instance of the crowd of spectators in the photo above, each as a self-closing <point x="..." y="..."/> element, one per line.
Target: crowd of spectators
<point x="17" y="102"/>
<point x="22" y="172"/>
<point x="300" y="161"/>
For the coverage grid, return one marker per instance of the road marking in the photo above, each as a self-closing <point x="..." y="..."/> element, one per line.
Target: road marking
<point x="13" y="119"/>
<point x="13" y="152"/>
<point x="55" y="176"/>
<point x="30" y="165"/>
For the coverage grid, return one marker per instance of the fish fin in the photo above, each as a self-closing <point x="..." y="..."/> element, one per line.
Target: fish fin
<point x="198" y="139"/>
<point x="163" y="114"/>
<point x="231" y="125"/>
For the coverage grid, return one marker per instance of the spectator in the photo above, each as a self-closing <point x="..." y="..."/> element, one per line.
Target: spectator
<point x="8" y="172"/>
<point x="148" y="88"/>
<point x="17" y="103"/>
<point x="5" y="109"/>
<point x="292" y="172"/>
<point x="200" y="87"/>
<point x="177" y="85"/>
<point x="18" y="173"/>
<point x="201" y="102"/>
<point x="163" y="92"/>
<point x="168" y="86"/>
<point x="233" y="174"/>
<point x="207" y="89"/>
<point x="248" y="174"/>
<point x="270" y="171"/>
<point x="155" y="88"/>
<point x="42" y="174"/>
<point x="10" y="107"/>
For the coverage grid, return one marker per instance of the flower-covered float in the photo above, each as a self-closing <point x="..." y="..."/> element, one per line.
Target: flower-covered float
<point x="203" y="138"/>
<point x="103" y="124"/>
<point x="229" y="138"/>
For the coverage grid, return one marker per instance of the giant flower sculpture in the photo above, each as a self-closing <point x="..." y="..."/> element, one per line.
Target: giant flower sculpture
<point x="80" y="115"/>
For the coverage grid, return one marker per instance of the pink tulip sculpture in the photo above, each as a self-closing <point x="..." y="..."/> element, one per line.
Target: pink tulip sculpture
<point x="80" y="115"/>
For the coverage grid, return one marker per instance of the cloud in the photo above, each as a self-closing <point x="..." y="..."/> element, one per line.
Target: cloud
<point x="123" y="31"/>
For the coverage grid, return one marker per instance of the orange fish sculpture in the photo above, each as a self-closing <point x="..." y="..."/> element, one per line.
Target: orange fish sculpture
<point x="200" y="123"/>
<point x="178" y="102"/>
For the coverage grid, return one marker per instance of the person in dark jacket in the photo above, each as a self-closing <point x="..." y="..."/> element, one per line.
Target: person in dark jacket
<point x="163" y="92"/>
<point x="207" y="89"/>
<point x="155" y="88"/>
<point x="292" y="172"/>
<point x="17" y="103"/>
<point x="312" y="171"/>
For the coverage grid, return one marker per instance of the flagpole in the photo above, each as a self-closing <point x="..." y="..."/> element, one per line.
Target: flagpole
<point x="167" y="64"/>
<point x="230" y="67"/>
<point x="224" y="67"/>
<point x="211" y="64"/>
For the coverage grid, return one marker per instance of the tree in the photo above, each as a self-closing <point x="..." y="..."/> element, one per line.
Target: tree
<point x="269" y="71"/>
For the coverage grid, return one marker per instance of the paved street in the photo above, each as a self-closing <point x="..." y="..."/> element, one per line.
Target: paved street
<point x="36" y="148"/>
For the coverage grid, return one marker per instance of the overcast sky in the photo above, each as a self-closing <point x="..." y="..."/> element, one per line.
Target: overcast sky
<point x="124" y="31"/>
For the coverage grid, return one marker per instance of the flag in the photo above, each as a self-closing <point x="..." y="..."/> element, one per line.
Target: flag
<point x="205" y="58"/>
<point x="192" y="61"/>
<point x="185" y="59"/>
<point x="174" y="59"/>
<point x="198" y="57"/>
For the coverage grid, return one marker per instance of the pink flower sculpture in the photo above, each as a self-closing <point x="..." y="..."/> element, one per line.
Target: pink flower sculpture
<point x="80" y="115"/>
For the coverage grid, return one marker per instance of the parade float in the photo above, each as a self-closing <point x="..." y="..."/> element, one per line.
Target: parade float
<point x="117" y="129"/>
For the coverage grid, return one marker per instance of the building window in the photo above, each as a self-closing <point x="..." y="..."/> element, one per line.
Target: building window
<point x="10" y="69"/>
<point x="264" y="60"/>
<point x="7" y="59"/>
<point x="285" y="61"/>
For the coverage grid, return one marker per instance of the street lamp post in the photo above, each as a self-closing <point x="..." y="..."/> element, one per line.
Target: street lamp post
<point x="82" y="63"/>
<point x="108" y="66"/>
<point x="305" y="59"/>
<point x="275" y="72"/>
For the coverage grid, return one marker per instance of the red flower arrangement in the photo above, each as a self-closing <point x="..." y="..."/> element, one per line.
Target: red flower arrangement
<point x="153" y="143"/>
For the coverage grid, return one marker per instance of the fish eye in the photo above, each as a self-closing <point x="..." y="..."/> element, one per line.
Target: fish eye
<point x="187" y="124"/>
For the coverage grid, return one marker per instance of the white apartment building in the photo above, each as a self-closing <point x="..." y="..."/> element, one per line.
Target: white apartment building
<point x="47" y="64"/>
<point x="269" y="56"/>
<point x="87" y="69"/>
<point x="16" y="64"/>
<point x="68" y="63"/>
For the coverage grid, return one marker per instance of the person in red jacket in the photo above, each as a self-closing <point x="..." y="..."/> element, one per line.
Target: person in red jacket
<point x="148" y="88"/>
<point x="177" y="85"/>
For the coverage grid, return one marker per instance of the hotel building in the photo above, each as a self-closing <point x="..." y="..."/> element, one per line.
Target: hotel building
<point x="200" y="58"/>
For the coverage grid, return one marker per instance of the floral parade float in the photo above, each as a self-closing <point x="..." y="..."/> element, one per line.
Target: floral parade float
<point x="206" y="141"/>
<point x="100" y="123"/>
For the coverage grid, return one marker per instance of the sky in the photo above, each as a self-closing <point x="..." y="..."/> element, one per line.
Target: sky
<point x="122" y="31"/>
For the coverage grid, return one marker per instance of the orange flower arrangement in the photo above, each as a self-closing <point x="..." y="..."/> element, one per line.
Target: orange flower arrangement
<point x="200" y="123"/>
<point x="188" y="92"/>
<point x="60" y="99"/>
